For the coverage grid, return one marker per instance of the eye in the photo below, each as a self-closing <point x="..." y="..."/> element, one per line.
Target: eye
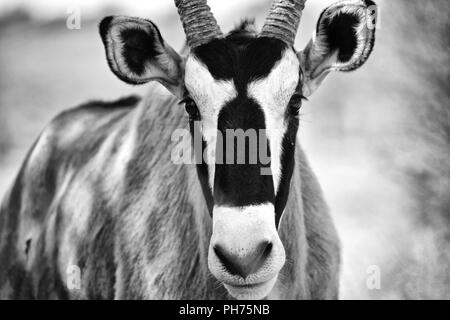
<point x="295" y="103"/>
<point x="191" y="108"/>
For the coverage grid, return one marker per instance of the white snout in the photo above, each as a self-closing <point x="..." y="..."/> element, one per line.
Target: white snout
<point x="245" y="251"/>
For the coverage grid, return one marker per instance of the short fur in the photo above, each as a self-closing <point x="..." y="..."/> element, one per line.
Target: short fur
<point x="98" y="190"/>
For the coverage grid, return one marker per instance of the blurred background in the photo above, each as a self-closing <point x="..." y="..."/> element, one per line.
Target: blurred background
<point x="378" y="138"/>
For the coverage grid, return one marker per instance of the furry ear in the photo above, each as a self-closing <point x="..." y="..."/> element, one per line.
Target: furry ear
<point x="137" y="53"/>
<point x="344" y="39"/>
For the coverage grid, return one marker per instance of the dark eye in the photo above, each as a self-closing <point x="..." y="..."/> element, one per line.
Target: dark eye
<point x="191" y="107"/>
<point x="295" y="103"/>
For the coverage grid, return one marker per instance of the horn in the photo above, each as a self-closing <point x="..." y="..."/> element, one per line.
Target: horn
<point x="283" y="20"/>
<point x="199" y="24"/>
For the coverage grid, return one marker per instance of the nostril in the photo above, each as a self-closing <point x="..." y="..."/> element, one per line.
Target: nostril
<point x="266" y="248"/>
<point x="225" y="258"/>
<point x="220" y="252"/>
<point x="246" y="264"/>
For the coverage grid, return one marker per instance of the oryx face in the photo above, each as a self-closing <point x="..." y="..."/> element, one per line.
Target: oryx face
<point x="243" y="92"/>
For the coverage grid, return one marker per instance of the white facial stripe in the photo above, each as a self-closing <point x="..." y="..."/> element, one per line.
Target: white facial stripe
<point x="273" y="94"/>
<point x="210" y="96"/>
<point x="239" y="230"/>
<point x="261" y="218"/>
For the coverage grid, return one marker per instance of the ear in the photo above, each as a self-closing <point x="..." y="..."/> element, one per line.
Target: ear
<point x="344" y="39"/>
<point x="137" y="53"/>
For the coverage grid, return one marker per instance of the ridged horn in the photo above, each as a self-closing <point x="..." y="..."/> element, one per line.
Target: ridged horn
<point x="283" y="20"/>
<point x="199" y="23"/>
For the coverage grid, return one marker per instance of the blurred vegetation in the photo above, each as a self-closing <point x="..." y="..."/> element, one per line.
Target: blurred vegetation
<point x="428" y="172"/>
<point x="4" y="137"/>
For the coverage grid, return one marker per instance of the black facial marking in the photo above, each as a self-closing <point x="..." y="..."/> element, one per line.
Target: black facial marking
<point x="288" y="151"/>
<point x="241" y="184"/>
<point x="243" y="58"/>
<point x="202" y="167"/>
<point x="240" y="58"/>
<point x="287" y="167"/>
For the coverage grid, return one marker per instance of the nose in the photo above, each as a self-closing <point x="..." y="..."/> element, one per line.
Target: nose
<point x="243" y="264"/>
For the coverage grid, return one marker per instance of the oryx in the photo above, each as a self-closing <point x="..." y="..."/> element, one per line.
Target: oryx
<point x="99" y="209"/>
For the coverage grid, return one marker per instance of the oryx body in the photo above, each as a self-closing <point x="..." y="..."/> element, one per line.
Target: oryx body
<point x="139" y="227"/>
<point x="99" y="209"/>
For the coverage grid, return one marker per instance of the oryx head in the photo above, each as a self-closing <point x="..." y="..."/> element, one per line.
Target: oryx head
<point x="250" y="83"/>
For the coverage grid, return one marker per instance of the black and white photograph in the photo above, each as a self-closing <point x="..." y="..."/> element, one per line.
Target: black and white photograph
<point x="196" y="150"/>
